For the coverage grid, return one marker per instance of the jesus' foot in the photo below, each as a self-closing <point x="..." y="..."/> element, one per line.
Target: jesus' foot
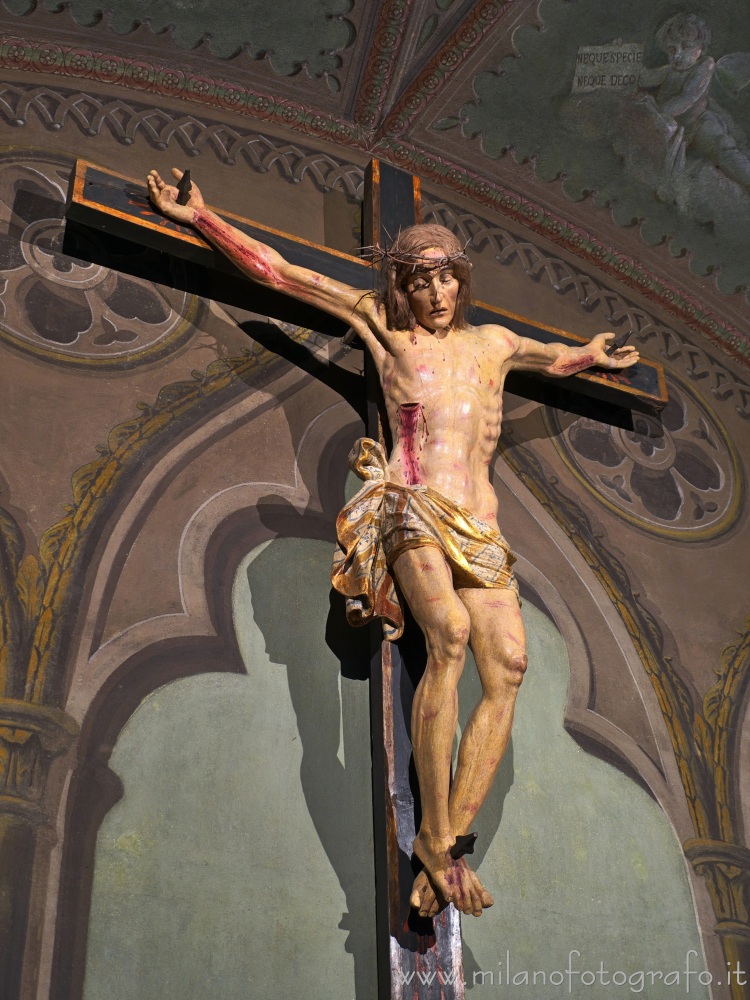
<point x="450" y="879"/>
<point x="424" y="898"/>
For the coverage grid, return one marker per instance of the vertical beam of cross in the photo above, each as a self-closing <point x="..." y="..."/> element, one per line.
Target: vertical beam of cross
<point x="419" y="959"/>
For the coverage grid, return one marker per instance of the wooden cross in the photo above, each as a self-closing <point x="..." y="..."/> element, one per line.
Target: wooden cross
<point x="417" y="958"/>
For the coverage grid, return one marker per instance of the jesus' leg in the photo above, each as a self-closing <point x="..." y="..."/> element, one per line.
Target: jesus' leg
<point x="427" y="585"/>
<point x="498" y="643"/>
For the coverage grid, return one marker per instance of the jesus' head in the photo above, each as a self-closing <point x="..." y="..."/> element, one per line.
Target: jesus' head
<point x="416" y="256"/>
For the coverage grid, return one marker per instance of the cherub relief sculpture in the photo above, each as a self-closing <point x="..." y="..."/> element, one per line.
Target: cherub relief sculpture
<point x="424" y="526"/>
<point x="676" y="94"/>
<point x="681" y="164"/>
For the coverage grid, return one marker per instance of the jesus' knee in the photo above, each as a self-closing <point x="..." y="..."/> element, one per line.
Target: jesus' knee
<point x="447" y="641"/>
<point x="501" y="682"/>
<point x="514" y="667"/>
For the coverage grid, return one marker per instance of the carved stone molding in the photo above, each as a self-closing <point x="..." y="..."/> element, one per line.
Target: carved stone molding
<point x="405" y="29"/>
<point x="286" y="42"/>
<point x="606" y="257"/>
<point x="30" y="737"/>
<point x="725" y="868"/>
<point x="464" y="40"/>
<point x="703" y="736"/>
<point x="171" y="80"/>
<point x="128" y="120"/>
<point x="56" y="108"/>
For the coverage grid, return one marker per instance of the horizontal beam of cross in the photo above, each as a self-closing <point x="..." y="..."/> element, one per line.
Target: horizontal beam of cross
<point x="111" y="203"/>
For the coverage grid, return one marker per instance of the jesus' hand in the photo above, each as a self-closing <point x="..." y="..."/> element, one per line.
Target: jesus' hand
<point x="164" y="196"/>
<point x="621" y="357"/>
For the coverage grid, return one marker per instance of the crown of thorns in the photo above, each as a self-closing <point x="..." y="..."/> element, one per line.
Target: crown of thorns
<point x="378" y="254"/>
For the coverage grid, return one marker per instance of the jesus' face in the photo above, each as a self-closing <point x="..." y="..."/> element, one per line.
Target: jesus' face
<point x="432" y="292"/>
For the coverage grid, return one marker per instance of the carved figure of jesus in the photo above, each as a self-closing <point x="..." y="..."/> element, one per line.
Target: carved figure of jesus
<point x="442" y="382"/>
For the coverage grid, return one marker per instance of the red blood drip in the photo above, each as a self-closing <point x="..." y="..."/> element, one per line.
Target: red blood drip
<point x="577" y="365"/>
<point x="244" y="255"/>
<point x="408" y="424"/>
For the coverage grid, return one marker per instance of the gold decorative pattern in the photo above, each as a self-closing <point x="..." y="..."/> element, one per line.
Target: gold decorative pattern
<point x="726" y="868"/>
<point x="718" y="725"/>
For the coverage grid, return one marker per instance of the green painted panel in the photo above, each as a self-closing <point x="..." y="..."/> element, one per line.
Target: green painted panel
<point x="583" y="860"/>
<point x="239" y="862"/>
<point x="293" y="37"/>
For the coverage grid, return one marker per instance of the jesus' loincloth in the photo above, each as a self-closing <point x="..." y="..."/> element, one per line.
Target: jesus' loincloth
<point x="385" y="519"/>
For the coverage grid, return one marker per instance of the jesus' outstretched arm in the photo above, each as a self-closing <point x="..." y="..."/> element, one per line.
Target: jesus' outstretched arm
<point x="264" y="265"/>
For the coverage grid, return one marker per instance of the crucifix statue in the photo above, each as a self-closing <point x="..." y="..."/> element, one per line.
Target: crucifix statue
<point x="424" y="527"/>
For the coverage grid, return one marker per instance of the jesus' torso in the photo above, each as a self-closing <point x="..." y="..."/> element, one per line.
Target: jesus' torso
<point x="443" y="396"/>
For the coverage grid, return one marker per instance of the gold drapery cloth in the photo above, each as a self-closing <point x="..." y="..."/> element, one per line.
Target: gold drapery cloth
<point x="385" y="519"/>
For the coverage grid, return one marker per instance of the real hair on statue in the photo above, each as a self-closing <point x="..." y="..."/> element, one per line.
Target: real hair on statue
<point x="405" y="257"/>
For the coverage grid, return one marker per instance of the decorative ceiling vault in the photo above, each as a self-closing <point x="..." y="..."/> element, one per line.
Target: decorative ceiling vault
<point x="481" y="98"/>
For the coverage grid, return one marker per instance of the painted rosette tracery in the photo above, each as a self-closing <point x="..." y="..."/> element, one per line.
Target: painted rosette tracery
<point x="54" y="302"/>
<point x="677" y="477"/>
